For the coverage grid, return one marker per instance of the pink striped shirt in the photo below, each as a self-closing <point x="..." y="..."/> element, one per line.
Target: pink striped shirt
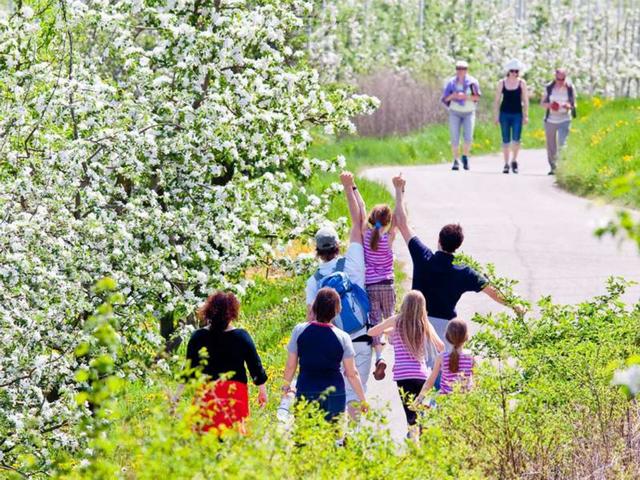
<point x="406" y="366"/>
<point x="463" y="375"/>
<point x="378" y="263"/>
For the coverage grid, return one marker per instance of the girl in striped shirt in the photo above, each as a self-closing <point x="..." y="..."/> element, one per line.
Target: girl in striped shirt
<point x="456" y="366"/>
<point x="411" y="335"/>
<point x="378" y="234"/>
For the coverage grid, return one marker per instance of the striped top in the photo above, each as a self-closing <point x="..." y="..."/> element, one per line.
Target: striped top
<point x="464" y="373"/>
<point x="406" y="366"/>
<point x="378" y="263"/>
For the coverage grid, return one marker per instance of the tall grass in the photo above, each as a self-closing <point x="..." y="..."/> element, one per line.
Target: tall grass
<point x="604" y="145"/>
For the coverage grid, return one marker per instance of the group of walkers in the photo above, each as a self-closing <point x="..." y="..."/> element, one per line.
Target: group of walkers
<point x="511" y="111"/>
<point x="351" y="308"/>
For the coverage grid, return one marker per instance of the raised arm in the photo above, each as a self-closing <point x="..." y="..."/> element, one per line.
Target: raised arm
<point x="354" y="208"/>
<point x="363" y="210"/>
<point x="400" y="213"/>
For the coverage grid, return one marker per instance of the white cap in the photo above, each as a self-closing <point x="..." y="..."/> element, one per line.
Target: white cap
<point x="514" y="64"/>
<point x="462" y="64"/>
<point x="326" y="238"/>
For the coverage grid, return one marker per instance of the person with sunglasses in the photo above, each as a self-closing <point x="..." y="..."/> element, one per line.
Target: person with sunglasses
<point x="512" y="103"/>
<point x="461" y="94"/>
<point x="560" y="102"/>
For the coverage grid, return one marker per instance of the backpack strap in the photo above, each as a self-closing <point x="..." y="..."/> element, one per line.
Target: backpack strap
<point x="549" y="89"/>
<point x="340" y="264"/>
<point x="318" y="276"/>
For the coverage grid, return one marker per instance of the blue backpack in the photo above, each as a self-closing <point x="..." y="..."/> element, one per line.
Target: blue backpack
<point x="354" y="300"/>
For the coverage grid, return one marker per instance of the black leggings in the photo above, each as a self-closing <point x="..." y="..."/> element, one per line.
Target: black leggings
<point x="409" y="390"/>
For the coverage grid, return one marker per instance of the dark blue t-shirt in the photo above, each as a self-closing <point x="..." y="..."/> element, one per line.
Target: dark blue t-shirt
<point x="441" y="282"/>
<point x="321" y="348"/>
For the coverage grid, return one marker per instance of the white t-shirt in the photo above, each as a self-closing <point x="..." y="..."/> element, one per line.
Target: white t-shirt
<point x="468" y="106"/>
<point x="353" y="266"/>
<point x="560" y="95"/>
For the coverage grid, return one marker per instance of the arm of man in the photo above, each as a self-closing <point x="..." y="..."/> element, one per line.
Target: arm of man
<point x="475" y="91"/>
<point x="354" y="209"/>
<point x="400" y="213"/>
<point x="497" y="297"/>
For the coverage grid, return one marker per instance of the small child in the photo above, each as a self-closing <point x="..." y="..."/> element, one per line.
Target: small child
<point x="378" y="236"/>
<point x="456" y="366"/>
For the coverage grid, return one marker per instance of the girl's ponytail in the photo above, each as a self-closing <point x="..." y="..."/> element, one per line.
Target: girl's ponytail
<point x="379" y="218"/>
<point x="456" y="335"/>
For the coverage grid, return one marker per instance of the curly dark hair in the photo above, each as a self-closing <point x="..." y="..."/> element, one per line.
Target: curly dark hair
<point x="451" y="237"/>
<point x="219" y="310"/>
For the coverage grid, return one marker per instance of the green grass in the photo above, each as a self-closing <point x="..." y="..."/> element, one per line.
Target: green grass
<point x="604" y="145"/>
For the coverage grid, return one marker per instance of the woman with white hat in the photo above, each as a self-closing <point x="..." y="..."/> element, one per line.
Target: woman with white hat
<point x="511" y="109"/>
<point x="461" y="94"/>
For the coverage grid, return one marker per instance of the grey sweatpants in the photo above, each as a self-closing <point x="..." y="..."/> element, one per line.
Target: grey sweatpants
<point x="440" y="326"/>
<point x="457" y="121"/>
<point x="556" y="135"/>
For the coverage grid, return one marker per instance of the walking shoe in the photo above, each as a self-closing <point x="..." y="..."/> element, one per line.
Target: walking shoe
<point x="514" y="167"/>
<point x="381" y="366"/>
<point x="465" y="162"/>
<point x="551" y="172"/>
<point x="456" y="165"/>
<point x="506" y="168"/>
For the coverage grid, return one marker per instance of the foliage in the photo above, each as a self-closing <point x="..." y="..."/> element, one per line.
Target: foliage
<point x="595" y="40"/>
<point x="602" y="159"/>
<point x="159" y="143"/>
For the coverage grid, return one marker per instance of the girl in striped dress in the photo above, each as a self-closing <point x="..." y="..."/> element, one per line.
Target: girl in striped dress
<point x="411" y="335"/>
<point x="456" y="366"/>
<point x="378" y="234"/>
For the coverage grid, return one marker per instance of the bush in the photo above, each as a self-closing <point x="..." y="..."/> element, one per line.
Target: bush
<point x="406" y="104"/>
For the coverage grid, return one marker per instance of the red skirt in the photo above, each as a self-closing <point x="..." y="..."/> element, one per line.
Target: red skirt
<point x="223" y="405"/>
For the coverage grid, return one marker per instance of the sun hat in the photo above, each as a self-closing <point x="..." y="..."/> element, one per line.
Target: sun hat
<point x="462" y="64"/>
<point x="326" y="238"/>
<point x="514" y="64"/>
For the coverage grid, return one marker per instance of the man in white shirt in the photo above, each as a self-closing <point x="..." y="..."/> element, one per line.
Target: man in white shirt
<point x="328" y="251"/>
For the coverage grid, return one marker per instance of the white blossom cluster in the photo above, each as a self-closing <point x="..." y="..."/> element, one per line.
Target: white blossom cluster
<point x="597" y="41"/>
<point x="159" y="143"/>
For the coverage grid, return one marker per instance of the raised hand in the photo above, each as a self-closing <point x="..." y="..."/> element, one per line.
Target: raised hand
<point x="398" y="181"/>
<point x="346" y="178"/>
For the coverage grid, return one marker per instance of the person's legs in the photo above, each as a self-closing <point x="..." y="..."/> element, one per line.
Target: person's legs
<point x="363" y="364"/>
<point x="440" y="326"/>
<point x="515" y="145"/>
<point x="376" y="295"/>
<point x="468" y="125"/>
<point x="563" y="133"/>
<point x="455" y="122"/>
<point x="409" y="389"/>
<point x="550" y="132"/>
<point x="505" y="130"/>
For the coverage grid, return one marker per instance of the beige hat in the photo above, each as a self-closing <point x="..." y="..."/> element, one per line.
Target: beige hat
<point x="326" y="238"/>
<point x="462" y="64"/>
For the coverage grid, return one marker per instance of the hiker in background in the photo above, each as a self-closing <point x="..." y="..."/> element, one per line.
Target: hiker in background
<point x="413" y="338"/>
<point x="461" y="94"/>
<point x="454" y="367"/>
<point x="225" y="403"/>
<point x="435" y="274"/>
<point x="321" y="348"/>
<point x="559" y="100"/>
<point x="379" y="234"/>
<point x="346" y="274"/>
<point x="512" y="103"/>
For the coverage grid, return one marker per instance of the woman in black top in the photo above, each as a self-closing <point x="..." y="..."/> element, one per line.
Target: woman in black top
<point x="224" y="403"/>
<point x="513" y="100"/>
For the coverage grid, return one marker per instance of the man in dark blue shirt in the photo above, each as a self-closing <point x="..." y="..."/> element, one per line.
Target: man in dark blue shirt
<point x="434" y="274"/>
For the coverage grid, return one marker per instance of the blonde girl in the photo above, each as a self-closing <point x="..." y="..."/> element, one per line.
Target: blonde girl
<point x="411" y="336"/>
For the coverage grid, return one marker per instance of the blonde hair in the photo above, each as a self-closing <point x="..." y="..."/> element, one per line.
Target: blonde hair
<point x="412" y="324"/>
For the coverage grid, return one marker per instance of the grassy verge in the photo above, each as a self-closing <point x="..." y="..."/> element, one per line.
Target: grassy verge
<point x="604" y="145"/>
